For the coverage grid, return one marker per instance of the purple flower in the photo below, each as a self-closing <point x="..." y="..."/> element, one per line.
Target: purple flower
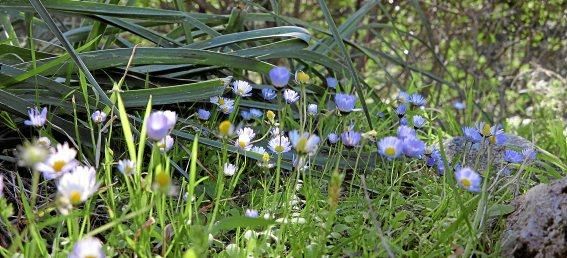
<point x="472" y="134"/>
<point x="312" y="109"/>
<point x="406" y="132"/>
<point x="159" y="124"/>
<point x="413" y="147"/>
<point x="497" y="136"/>
<point x="98" y="117"/>
<point x="333" y="138"/>
<point x="332" y="82"/>
<point x="417" y="100"/>
<point x="418" y="121"/>
<point x="268" y="94"/>
<point x="250" y="213"/>
<point x="513" y="156"/>
<point x="351" y="138"/>
<point x="404" y="121"/>
<point x="390" y="147"/>
<point x="401" y="111"/>
<point x="345" y="102"/>
<point x="279" y="76"/>
<point x="203" y="114"/>
<point x="37" y="118"/>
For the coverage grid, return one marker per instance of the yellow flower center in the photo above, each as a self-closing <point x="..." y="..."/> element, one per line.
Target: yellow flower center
<point x="90" y="256"/>
<point x="266" y="157"/>
<point x="279" y="148"/>
<point x="302" y="77"/>
<point x="242" y="143"/>
<point x="224" y="127"/>
<point x="271" y="115"/>
<point x="301" y="145"/>
<point x="466" y="182"/>
<point x="486" y="130"/>
<point x="162" y="180"/>
<point x="390" y="151"/>
<point x="75" y="197"/>
<point x="492" y="139"/>
<point x="221" y="101"/>
<point x="58" y="165"/>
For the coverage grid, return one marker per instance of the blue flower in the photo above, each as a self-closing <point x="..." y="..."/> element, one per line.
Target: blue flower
<point x="404" y="121"/>
<point x="332" y="82"/>
<point x="417" y="100"/>
<point x="333" y="138"/>
<point x="351" y="138"/>
<point x="459" y="105"/>
<point x="345" y="102"/>
<point x="529" y="154"/>
<point x="413" y="147"/>
<point x="403" y="97"/>
<point x="245" y="115"/>
<point x="268" y="94"/>
<point x="279" y="76"/>
<point x="256" y="113"/>
<point x="468" y="179"/>
<point x="203" y="114"/>
<point x="390" y="147"/>
<point x="401" y="111"/>
<point x="37" y="118"/>
<point x="472" y="134"/>
<point x="406" y="132"/>
<point x="418" y="121"/>
<point x="513" y="156"/>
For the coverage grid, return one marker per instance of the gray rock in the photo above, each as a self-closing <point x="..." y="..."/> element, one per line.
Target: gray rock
<point x="538" y="226"/>
<point x="467" y="153"/>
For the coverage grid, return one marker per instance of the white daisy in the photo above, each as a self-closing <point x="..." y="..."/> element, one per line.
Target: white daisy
<point x="265" y="162"/>
<point x="126" y="167"/>
<point x="226" y="105"/>
<point x="60" y="161"/>
<point x="78" y="185"/>
<point x="89" y="247"/>
<point x="166" y="143"/>
<point x="241" y="88"/>
<point x="245" y="136"/>
<point x="279" y="144"/>
<point x="312" y="109"/>
<point x="304" y="143"/>
<point x="32" y="154"/>
<point x="290" y="96"/>
<point x="229" y="169"/>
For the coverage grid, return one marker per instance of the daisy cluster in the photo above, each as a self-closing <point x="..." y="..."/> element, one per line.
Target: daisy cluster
<point x="406" y="142"/>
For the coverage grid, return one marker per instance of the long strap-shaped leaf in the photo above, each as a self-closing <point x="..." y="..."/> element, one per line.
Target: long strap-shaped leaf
<point x="38" y="6"/>
<point x="346" y="56"/>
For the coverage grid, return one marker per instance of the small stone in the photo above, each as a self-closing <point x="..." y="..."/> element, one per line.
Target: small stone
<point x="538" y="226"/>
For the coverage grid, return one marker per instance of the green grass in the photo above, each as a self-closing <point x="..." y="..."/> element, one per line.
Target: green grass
<point x="348" y="202"/>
